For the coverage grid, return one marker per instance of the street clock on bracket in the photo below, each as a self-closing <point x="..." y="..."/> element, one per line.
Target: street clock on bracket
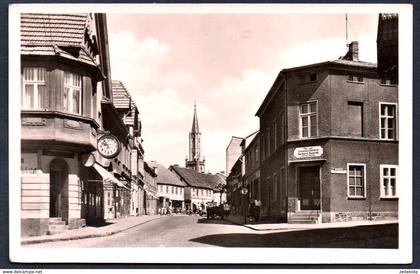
<point x="108" y="146"/>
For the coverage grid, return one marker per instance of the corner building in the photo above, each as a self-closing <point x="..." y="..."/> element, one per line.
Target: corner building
<point x="329" y="143"/>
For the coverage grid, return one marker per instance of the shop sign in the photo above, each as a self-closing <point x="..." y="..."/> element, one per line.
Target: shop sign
<point x="307" y="152"/>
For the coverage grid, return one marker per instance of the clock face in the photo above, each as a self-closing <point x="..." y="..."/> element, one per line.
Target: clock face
<point x="108" y="146"/>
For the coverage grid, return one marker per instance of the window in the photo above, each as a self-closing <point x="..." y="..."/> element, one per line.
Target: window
<point x="389" y="181"/>
<point x="354" y="78"/>
<point x="267" y="145"/>
<point x="312" y="77"/>
<point x="167" y="189"/>
<point x="356" y="178"/>
<point x="387" y="118"/>
<point x="72" y="93"/>
<point x="389" y="82"/>
<point x="275" y="134"/>
<point x="172" y="189"/>
<point x="355" y="119"/>
<point x="308" y="78"/>
<point x="308" y="120"/>
<point x="262" y="140"/>
<point x="282" y="128"/>
<point x="34" y="88"/>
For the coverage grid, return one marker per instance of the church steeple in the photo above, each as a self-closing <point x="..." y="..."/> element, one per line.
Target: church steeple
<point x="195" y="128"/>
<point x="194" y="160"/>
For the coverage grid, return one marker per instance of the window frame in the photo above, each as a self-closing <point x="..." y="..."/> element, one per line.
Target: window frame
<point x="35" y="83"/>
<point x="275" y="189"/>
<point x="382" y="177"/>
<point x="308" y="103"/>
<point x="395" y="121"/>
<point x="348" y="181"/>
<point x="72" y="88"/>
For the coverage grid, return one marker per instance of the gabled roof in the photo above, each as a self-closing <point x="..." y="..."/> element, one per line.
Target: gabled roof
<point x="55" y="35"/>
<point x="164" y="176"/>
<point x="197" y="179"/>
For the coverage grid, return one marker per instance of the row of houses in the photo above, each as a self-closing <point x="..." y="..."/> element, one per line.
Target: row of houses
<point x="327" y="145"/>
<point x="82" y="155"/>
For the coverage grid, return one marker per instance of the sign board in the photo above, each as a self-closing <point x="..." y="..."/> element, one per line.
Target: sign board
<point x="308" y="152"/>
<point x="338" y="170"/>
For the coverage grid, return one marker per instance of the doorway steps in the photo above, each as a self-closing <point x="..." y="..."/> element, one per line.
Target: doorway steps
<point x="56" y="225"/>
<point x="304" y="217"/>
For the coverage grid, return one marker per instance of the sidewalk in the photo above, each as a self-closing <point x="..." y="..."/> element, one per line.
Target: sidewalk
<point x="238" y="219"/>
<point x="115" y="226"/>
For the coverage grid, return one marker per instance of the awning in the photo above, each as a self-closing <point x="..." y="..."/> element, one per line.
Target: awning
<point x="107" y="176"/>
<point x="151" y="194"/>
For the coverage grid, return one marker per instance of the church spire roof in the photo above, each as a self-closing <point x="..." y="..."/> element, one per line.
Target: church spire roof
<point x="195" y="128"/>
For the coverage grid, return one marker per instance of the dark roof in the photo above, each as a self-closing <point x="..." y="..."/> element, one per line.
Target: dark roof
<point x="55" y="34"/>
<point x="197" y="179"/>
<point x="164" y="176"/>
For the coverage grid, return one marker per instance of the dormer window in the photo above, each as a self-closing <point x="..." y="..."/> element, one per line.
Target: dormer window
<point x="72" y="95"/>
<point x="34" y="88"/>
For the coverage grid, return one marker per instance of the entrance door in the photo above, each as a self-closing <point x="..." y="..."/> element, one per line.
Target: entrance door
<point x="309" y="188"/>
<point x="59" y="189"/>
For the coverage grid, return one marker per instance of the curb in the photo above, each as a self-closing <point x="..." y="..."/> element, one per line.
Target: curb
<point x="308" y="228"/>
<point x="79" y="237"/>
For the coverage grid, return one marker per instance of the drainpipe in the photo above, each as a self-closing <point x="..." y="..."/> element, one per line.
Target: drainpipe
<point x="286" y="164"/>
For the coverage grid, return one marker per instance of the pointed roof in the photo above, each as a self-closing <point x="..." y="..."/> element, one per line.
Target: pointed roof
<point x="197" y="179"/>
<point x="57" y="35"/>
<point x="164" y="176"/>
<point x="195" y="128"/>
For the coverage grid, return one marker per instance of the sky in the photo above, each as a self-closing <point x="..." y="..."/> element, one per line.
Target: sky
<point x="225" y="62"/>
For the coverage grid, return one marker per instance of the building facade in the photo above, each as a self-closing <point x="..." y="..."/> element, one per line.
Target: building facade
<point x="170" y="189"/>
<point x="252" y="168"/>
<point x="329" y="143"/>
<point x="194" y="160"/>
<point x="63" y="75"/>
<point x="68" y="107"/>
<point x="151" y="198"/>
<point x="200" y="187"/>
<point x="233" y="152"/>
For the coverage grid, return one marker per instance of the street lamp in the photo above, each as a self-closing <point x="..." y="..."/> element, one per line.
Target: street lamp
<point x="244" y="192"/>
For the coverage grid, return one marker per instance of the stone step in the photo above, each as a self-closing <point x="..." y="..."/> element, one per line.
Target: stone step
<point x="60" y="226"/>
<point x="55" y="229"/>
<point x="56" y="223"/>
<point x="55" y="219"/>
<point x="301" y="221"/>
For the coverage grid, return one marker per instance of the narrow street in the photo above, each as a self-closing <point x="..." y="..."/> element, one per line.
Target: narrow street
<point x="194" y="231"/>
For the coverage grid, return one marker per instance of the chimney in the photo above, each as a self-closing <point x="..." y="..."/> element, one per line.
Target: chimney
<point x="353" y="51"/>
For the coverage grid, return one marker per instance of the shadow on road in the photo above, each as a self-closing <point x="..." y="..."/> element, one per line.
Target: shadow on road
<point x="98" y="223"/>
<point x="214" y="221"/>
<point x="373" y="236"/>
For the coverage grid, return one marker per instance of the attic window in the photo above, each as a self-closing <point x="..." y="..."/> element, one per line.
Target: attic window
<point x="355" y="78"/>
<point x="389" y="82"/>
<point x="308" y="78"/>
